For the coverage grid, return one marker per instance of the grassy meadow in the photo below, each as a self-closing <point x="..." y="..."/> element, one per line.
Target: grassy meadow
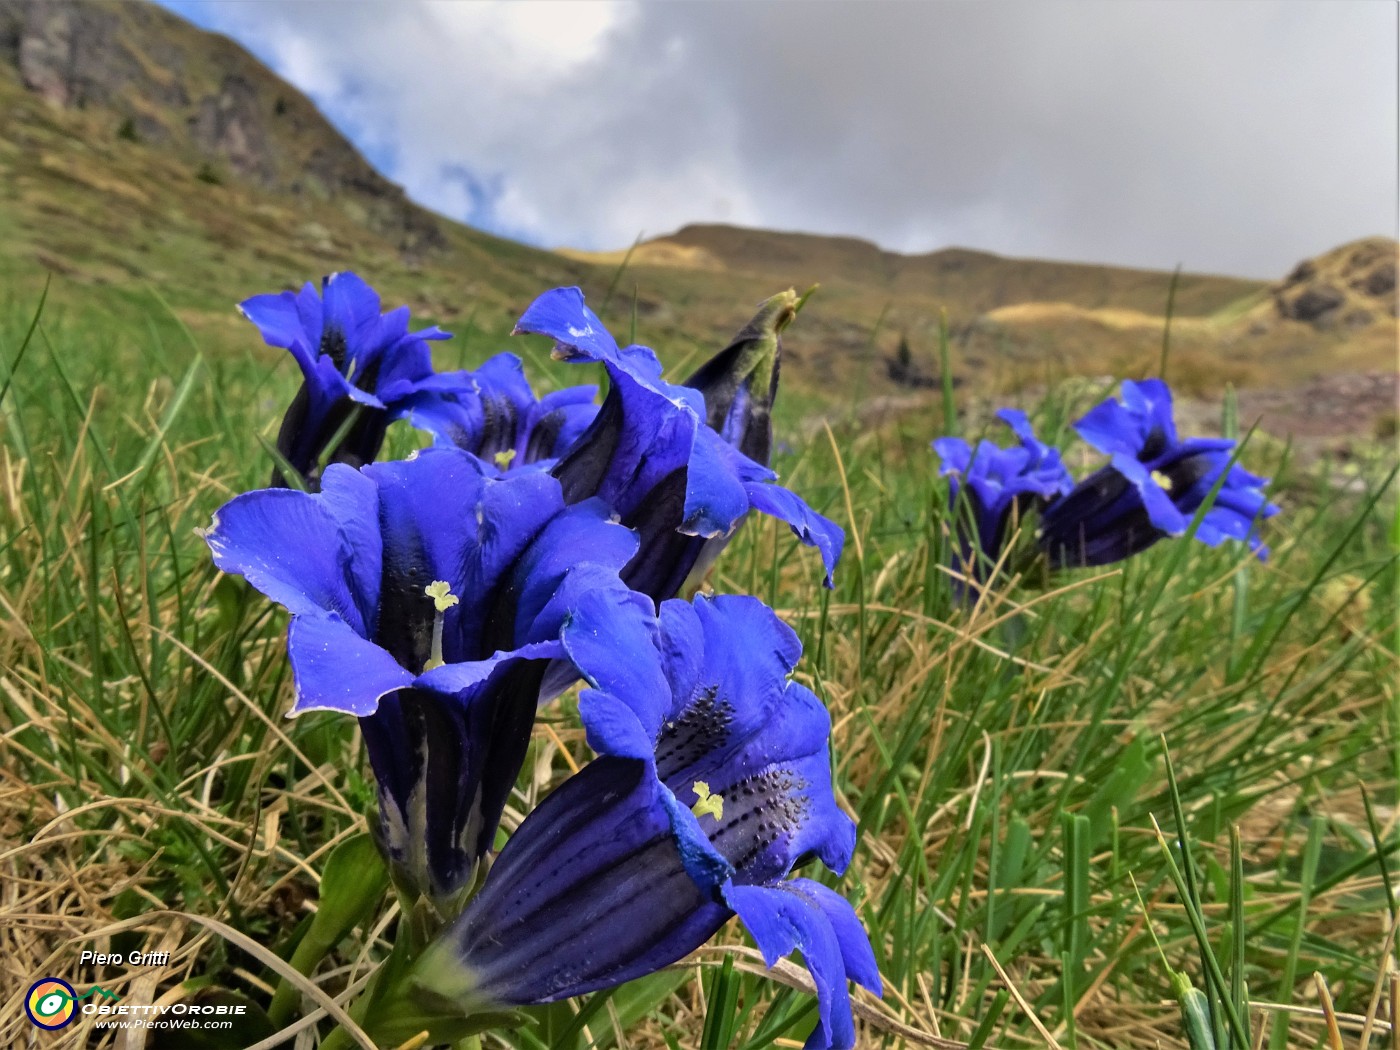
<point x="1073" y="798"/>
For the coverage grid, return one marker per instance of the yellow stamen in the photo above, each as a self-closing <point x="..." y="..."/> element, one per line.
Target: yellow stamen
<point x="707" y="804"/>
<point x="503" y="459"/>
<point x="1162" y="480"/>
<point x="440" y="591"/>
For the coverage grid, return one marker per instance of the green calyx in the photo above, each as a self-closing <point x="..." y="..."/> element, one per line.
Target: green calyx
<point x="759" y="343"/>
<point x="425" y="994"/>
<point x="747" y="370"/>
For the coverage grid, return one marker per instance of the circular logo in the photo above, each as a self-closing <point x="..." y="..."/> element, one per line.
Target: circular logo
<point x="50" y="1003"/>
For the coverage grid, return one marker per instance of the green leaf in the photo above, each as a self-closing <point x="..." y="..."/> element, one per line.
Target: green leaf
<point x="1131" y="772"/>
<point x="352" y="885"/>
<point x="720" y="1007"/>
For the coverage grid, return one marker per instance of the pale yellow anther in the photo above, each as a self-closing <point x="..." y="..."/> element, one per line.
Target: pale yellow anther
<point x="440" y="591"/>
<point x="504" y="459"/>
<point x="707" y="804"/>
<point x="1162" y="479"/>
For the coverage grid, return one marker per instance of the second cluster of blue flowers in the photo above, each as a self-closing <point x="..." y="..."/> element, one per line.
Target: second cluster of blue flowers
<point x="1152" y="487"/>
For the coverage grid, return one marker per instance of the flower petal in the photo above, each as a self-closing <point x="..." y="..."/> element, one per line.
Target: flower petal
<point x="1112" y="429"/>
<point x="611" y="636"/>
<point x="335" y="669"/>
<point x="856" y="951"/>
<point x="288" y="546"/>
<point x="580" y="549"/>
<point x="287" y="322"/>
<point x="787" y="918"/>
<point x="1151" y="401"/>
<point x="576" y="330"/>
<point x="807" y="525"/>
<point x="954" y="455"/>
<point x="715" y="495"/>
<point x="352" y="498"/>
<point x="738" y="725"/>
<point x="465" y="676"/>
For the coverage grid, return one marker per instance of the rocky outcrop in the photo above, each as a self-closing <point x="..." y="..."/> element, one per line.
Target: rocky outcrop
<point x="57" y="56"/>
<point x="167" y="83"/>
<point x="228" y="125"/>
<point x="1351" y="286"/>
<point x="71" y="54"/>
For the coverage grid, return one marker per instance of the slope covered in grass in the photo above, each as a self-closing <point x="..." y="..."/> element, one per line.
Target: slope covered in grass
<point x="1005" y="760"/>
<point x="138" y="152"/>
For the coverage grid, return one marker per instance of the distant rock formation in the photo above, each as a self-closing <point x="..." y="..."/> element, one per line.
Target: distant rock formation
<point x="1349" y="286"/>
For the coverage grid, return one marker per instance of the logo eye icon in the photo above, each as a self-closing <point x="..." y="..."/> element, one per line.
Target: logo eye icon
<point x="50" y="1003"/>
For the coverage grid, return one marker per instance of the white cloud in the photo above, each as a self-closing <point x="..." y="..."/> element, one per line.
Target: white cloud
<point x="1230" y="137"/>
<point x="543" y="37"/>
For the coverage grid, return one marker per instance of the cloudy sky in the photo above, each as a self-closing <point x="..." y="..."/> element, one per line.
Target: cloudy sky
<point x="1229" y="137"/>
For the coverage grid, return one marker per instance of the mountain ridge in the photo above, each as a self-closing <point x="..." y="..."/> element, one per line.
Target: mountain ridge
<point x="138" y="151"/>
<point x="742" y="249"/>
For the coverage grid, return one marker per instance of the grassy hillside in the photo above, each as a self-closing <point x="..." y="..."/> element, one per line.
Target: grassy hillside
<point x="141" y="157"/>
<point x="969" y="281"/>
<point x="1016" y="322"/>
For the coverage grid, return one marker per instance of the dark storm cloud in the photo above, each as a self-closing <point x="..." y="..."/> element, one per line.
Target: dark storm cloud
<point x="1230" y="137"/>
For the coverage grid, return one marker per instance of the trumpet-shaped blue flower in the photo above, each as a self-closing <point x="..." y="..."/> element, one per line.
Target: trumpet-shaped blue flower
<point x="498" y="417"/>
<point x="713" y="782"/>
<point x="999" y="486"/>
<point x="1152" y="486"/>
<point x="651" y="456"/>
<point x="350" y="355"/>
<point x="427" y="599"/>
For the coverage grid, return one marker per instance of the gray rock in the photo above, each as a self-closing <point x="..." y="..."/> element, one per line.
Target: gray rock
<point x="1311" y="303"/>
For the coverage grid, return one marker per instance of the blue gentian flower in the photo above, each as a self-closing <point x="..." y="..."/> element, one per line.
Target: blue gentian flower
<point x="494" y="414"/>
<point x="427" y="599"/>
<point x="350" y="355"/>
<point x="998" y="486"/>
<point x="713" y="782"/>
<point x="652" y="457"/>
<point x="1152" y="486"/>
